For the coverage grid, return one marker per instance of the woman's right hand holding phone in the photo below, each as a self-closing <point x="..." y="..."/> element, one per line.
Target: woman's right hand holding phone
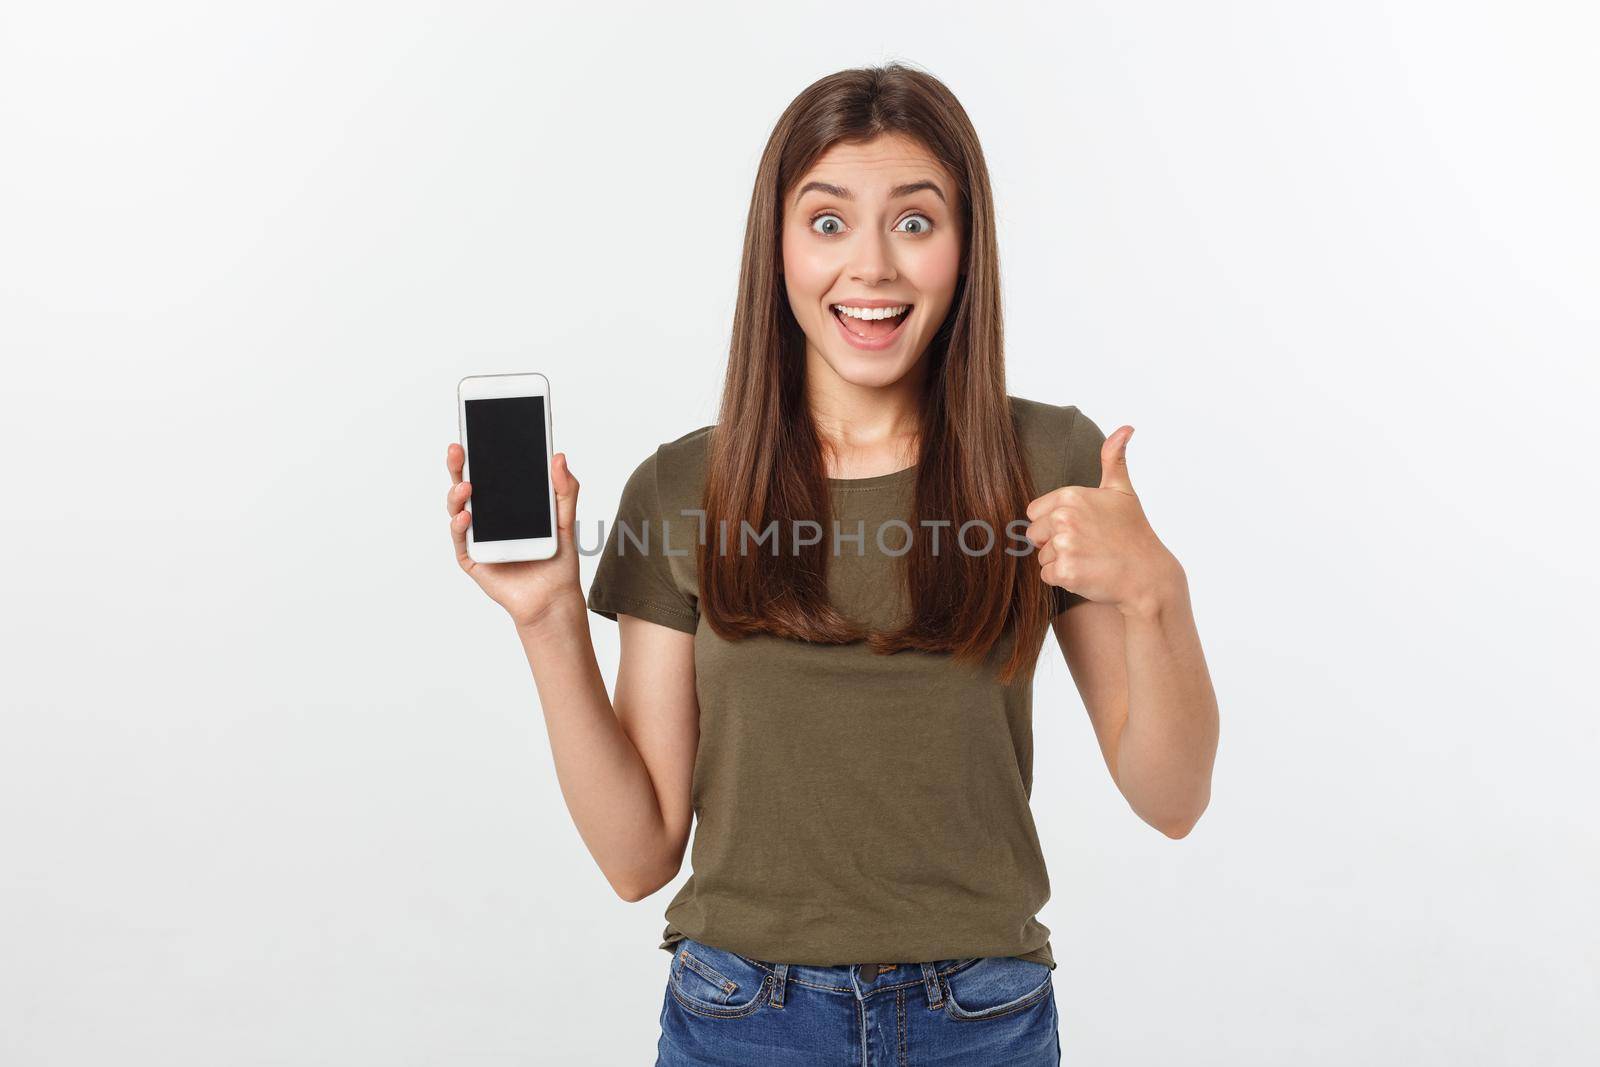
<point x="527" y="589"/>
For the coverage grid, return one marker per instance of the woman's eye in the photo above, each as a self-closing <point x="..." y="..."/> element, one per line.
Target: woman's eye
<point x="918" y="224"/>
<point x="829" y="225"/>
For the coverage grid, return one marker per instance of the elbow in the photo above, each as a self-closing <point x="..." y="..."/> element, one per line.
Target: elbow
<point x="632" y="894"/>
<point x="635" y="888"/>
<point x="648" y="872"/>
<point x="1177" y="830"/>
<point x="1178" y="824"/>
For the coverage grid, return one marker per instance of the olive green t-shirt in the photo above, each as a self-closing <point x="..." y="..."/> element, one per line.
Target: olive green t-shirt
<point x="851" y="807"/>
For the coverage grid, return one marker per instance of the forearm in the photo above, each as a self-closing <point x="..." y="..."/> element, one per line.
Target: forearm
<point x="1169" y="742"/>
<point x="606" y="785"/>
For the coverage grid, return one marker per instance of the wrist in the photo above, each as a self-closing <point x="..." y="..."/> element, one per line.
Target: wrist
<point x="565" y="611"/>
<point x="1168" y="585"/>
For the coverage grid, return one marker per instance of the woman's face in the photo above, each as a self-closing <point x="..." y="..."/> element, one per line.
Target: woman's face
<point x="874" y="227"/>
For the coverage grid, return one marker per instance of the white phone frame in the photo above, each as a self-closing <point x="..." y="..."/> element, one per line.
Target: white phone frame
<point x="494" y="387"/>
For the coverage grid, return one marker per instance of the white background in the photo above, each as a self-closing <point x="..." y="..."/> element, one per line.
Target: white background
<point x="274" y="785"/>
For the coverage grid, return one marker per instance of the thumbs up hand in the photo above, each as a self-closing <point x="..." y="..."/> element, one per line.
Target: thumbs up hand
<point x="1097" y="542"/>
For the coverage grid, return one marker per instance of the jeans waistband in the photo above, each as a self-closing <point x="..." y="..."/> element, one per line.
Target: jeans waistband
<point x="861" y="980"/>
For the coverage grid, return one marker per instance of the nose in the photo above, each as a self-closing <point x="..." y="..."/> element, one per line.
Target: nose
<point x="872" y="260"/>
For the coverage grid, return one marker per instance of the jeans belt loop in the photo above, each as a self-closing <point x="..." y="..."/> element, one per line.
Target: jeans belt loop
<point x="930" y="980"/>
<point x="780" y="976"/>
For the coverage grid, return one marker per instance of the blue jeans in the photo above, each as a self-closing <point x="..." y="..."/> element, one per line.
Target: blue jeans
<point x="723" y="1009"/>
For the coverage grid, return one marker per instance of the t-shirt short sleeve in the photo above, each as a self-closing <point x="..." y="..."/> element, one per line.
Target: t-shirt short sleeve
<point x="1080" y="465"/>
<point x="634" y="575"/>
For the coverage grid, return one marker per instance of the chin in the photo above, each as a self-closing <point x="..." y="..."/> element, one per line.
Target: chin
<point x="862" y="370"/>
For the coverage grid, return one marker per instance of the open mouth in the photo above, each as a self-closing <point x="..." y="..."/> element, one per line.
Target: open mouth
<point x="871" y="327"/>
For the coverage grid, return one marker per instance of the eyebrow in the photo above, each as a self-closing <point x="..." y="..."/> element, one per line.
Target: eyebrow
<point x="844" y="194"/>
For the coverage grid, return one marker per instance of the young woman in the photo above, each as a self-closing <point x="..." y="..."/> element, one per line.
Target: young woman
<point x="831" y="603"/>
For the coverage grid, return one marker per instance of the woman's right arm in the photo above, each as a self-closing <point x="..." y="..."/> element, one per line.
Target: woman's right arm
<point x="625" y="768"/>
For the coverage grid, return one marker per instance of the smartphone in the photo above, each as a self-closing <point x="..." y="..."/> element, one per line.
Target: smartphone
<point x="505" y="431"/>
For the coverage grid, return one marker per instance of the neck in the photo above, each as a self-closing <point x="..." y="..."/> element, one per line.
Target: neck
<point x="864" y="429"/>
<point x="851" y="415"/>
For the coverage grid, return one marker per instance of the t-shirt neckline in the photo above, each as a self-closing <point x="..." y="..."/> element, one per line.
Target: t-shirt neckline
<point x="876" y="481"/>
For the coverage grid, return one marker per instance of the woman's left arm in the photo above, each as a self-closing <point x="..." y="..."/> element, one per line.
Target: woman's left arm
<point x="1133" y="650"/>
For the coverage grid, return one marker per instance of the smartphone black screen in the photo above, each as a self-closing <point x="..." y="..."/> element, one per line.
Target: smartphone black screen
<point x="509" y="467"/>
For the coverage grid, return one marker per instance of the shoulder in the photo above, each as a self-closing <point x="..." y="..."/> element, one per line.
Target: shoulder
<point x="1035" y="418"/>
<point x="1060" y="442"/>
<point x="674" y="474"/>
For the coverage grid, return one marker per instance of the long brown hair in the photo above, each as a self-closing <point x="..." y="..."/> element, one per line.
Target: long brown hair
<point x="766" y="460"/>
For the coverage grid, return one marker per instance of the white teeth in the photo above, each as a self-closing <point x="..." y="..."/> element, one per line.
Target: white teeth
<point x="871" y="313"/>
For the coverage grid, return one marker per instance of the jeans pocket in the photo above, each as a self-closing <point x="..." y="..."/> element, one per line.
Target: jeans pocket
<point x="996" y="986"/>
<point x="716" y="983"/>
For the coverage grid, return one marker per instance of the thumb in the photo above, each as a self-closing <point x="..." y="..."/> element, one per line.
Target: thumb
<point x="1114" y="460"/>
<point x="566" y="487"/>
